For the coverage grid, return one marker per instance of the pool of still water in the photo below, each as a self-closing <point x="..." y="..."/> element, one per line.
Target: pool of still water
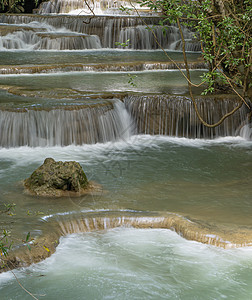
<point x="207" y="180"/>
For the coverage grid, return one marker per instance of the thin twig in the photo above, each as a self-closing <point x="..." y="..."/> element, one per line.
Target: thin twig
<point x="190" y="84"/>
<point x="191" y="93"/>
<point x="23" y="286"/>
<point x="161" y="47"/>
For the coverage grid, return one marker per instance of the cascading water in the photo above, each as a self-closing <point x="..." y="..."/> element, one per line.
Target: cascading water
<point x="176" y="116"/>
<point x="90" y="125"/>
<point x="246" y="131"/>
<point x="98" y="7"/>
<point x="41" y="36"/>
<point x="107" y="32"/>
<point x="77" y="67"/>
<point x="156" y="115"/>
<point x="140" y="37"/>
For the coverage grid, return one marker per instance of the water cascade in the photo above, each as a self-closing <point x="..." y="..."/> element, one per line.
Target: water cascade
<point x="177" y="223"/>
<point x="89" y="125"/>
<point x="175" y="116"/>
<point x="41" y="36"/>
<point x="155" y="115"/>
<point x="109" y="30"/>
<point x="98" y="7"/>
<point x="70" y="224"/>
<point x="246" y="131"/>
<point x="110" y="67"/>
<point x="81" y="225"/>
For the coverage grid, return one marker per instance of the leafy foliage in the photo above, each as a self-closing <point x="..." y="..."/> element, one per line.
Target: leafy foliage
<point x="131" y="80"/>
<point x="124" y="45"/>
<point x="15" y="6"/>
<point x="224" y="29"/>
<point x="6" y="240"/>
<point x="5" y="245"/>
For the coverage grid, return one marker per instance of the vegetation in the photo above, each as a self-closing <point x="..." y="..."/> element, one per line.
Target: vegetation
<point x="6" y="243"/>
<point x="224" y="30"/>
<point x="18" y="6"/>
<point x="6" y="240"/>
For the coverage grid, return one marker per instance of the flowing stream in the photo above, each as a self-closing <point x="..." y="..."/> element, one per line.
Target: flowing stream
<point x="171" y="189"/>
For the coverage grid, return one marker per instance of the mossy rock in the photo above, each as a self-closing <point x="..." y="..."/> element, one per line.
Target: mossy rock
<point x="56" y="179"/>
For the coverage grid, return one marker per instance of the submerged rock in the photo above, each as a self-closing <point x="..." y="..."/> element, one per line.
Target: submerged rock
<point x="56" y="179"/>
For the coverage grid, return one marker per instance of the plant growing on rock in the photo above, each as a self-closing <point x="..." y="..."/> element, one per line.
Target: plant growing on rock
<point x="6" y="240"/>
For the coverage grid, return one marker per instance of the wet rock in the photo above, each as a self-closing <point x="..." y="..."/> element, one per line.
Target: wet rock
<point x="55" y="179"/>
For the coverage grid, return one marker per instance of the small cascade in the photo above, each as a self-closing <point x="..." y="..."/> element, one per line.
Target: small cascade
<point x="190" y="45"/>
<point x="184" y="227"/>
<point x="67" y="42"/>
<point x="112" y="67"/>
<point x="175" y="116"/>
<point x="110" y="31"/>
<point x="89" y="125"/>
<point x="65" y="226"/>
<point x="140" y="37"/>
<point x="40" y="36"/>
<point x="246" y="132"/>
<point x="80" y="7"/>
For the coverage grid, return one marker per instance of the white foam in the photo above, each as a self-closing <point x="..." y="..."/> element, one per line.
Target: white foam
<point x="126" y="261"/>
<point x="88" y="153"/>
<point x="87" y="211"/>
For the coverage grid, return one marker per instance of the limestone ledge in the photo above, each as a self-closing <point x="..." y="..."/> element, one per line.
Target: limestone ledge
<point x="45" y="245"/>
<point x="109" y="67"/>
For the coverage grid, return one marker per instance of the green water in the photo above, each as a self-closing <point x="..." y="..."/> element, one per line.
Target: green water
<point x="88" y="56"/>
<point x="149" y="82"/>
<point x="202" y="180"/>
<point x="59" y="89"/>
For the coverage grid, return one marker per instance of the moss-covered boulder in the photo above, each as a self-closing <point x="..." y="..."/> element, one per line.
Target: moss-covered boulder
<point x="56" y="179"/>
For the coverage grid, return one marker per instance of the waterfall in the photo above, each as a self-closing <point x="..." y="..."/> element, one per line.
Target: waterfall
<point x="246" y="131"/>
<point x="190" y="45"/>
<point x="141" y="37"/>
<point x="175" y="116"/>
<point x="106" y="31"/>
<point x="89" y="125"/>
<point x="184" y="227"/>
<point x="162" y="115"/>
<point x="65" y="226"/>
<point x="98" y="7"/>
<point x="41" y="36"/>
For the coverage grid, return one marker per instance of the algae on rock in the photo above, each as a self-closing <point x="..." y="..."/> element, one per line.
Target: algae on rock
<point x="56" y="179"/>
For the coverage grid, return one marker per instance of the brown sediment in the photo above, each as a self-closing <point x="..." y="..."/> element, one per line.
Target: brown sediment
<point x="62" y="93"/>
<point x="111" y="67"/>
<point x="43" y="246"/>
<point x="6" y="29"/>
<point x="68" y="107"/>
<point x="53" y="35"/>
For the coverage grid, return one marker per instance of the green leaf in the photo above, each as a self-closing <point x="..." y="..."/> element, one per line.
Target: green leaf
<point x="27" y="237"/>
